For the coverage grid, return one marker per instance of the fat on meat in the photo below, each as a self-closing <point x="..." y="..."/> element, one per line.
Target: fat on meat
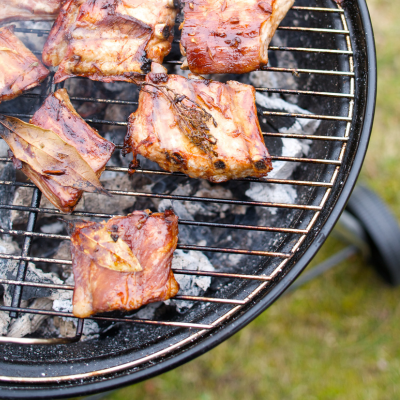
<point x="109" y="40"/>
<point x="152" y="238"/>
<point x="229" y="36"/>
<point x="20" y="70"/>
<point x="58" y="115"/>
<point x="17" y="10"/>
<point x="236" y="147"/>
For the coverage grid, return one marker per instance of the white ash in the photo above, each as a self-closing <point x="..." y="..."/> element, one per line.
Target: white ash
<point x="188" y="209"/>
<point x="53" y="228"/>
<point x="32" y="297"/>
<point x="290" y="148"/>
<point x="148" y="311"/>
<point x="3" y="148"/>
<point x="64" y="304"/>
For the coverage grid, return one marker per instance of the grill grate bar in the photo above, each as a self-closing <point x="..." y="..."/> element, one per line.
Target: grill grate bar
<point x="276" y="113"/>
<point x="306" y="92"/>
<point x="318" y="30"/>
<point x="308" y="160"/>
<point x="310" y="50"/>
<point x="176" y="271"/>
<point x="182" y="222"/>
<point x="297" y="71"/>
<point x="307" y="116"/>
<point x="178" y="297"/>
<point x="300" y="49"/>
<point x="308" y="137"/>
<point x="131" y="320"/>
<point x="265" y="180"/>
<point x="318" y="9"/>
<point x="41" y="32"/>
<point x="88" y="99"/>
<point x="259" y="89"/>
<point x="180" y="247"/>
<point x="188" y="198"/>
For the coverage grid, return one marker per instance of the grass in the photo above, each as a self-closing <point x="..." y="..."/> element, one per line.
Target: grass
<point x="339" y="336"/>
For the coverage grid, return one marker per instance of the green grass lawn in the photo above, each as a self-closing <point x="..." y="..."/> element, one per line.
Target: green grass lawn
<point x="338" y="337"/>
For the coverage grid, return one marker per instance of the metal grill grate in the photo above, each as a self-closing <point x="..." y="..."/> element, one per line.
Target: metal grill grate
<point x="341" y="138"/>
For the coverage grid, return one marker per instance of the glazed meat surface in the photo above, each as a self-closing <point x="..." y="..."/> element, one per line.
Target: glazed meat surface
<point x="234" y="146"/>
<point x="58" y="115"/>
<point x="16" y="10"/>
<point x="109" y="40"/>
<point x="152" y="238"/>
<point x="20" y="70"/>
<point x="229" y="36"/>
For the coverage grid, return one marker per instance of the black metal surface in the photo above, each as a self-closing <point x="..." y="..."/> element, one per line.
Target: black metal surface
<point x="113" y="350"/>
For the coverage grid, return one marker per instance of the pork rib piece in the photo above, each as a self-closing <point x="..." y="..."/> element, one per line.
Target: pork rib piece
<point x="152" y="238"/>
<point x="58" y="115"/>
<point x="229" y="36"/>
<point x="20" y="70"/>
<point x="16" y="10"/>
<point x="234" y="146"/>
<point x="109" y="40"/>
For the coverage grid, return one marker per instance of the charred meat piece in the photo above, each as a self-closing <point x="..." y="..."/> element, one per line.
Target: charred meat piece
<point x="203" y="128"/>
<point x="100" y="286"/>
<point x="109" y="40"/>
<point x="58" y="151"/>
<point x="58" y="115"/>
<point x="229" y="36"/>
<point x="19" y="69"/>
<point x="17" y="10"/>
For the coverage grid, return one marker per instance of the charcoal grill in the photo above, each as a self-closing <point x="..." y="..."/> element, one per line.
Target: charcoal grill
<point x="329" y="51"/>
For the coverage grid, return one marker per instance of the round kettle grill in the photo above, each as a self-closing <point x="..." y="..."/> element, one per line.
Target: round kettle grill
<point x="328" y="53"/>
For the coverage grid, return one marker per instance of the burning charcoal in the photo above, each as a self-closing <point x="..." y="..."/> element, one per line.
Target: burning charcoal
<point x="33" y="274"/>
<point x="26" y="324"/>
<point x="115" y="204"/>
<point x="40" y="298"/>
<point x="22" y="197"/>
<point x="33" y="42"/>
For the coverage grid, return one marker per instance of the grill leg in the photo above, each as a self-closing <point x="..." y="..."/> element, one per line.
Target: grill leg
<point x="371" y="229"/>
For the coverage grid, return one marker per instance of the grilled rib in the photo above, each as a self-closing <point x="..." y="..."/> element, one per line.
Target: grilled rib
<point x="16" y="10"/>
<point x="109" y="40"/>
<point x="225" y="144"/>
<point x="152" y="238"/>
<point x="58" y="115"/>
<point x="229" y="36"/>
<point x="20" y="70"/>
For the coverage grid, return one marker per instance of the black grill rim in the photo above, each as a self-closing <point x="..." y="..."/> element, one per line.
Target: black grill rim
<point x="359" y="15"/>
